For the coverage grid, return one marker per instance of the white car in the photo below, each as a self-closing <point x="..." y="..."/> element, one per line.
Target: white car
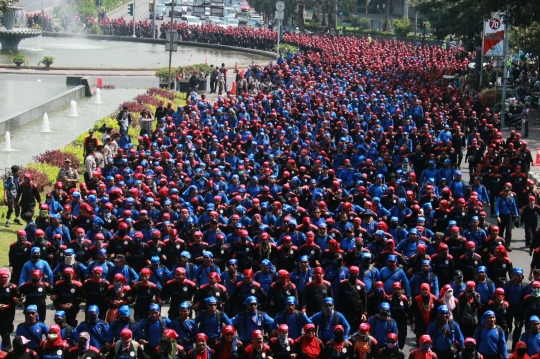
<point x="190" y="20"/>
<point x="233" y="22"/>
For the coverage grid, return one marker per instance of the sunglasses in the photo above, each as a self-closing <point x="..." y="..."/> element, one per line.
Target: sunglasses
<point x="304" y="262"/>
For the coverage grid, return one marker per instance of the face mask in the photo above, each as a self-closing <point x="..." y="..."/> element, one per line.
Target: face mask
<point x="425" y="347"/>
<point x="338" y="336"/>
<point x="52" y="337"/>
<point x="393" y="224"/>
<point x="443" y="254"/>
<point x="449" y="294"/>
<point x="470" y="251"/>
<point x="353" y="277"/>
<point x="379" y="289"/>
<point x="35" y="280"/>
<point x="521" y="351"/>
<point x="283" y="338"/>
<point x="122" y="232"/>
<point x="328" y="311"/>
<point x="36" y="256"/>
<point x="43" y="213"/>
<point x="391" y="345"/>
<point x="83" y="346"/>
<point x="118" y="285"/>
<point x="470" y="349"/>
<point x="69" y="260"/>
<point x="59" y="321"/>
<point x="392" y="265"/>
<point x="536" y="292"/>
<point x="21" y="239"/>
<point x="455" y="235"/>
<point x="458" y="280"/>
<point x="383" y="314"/>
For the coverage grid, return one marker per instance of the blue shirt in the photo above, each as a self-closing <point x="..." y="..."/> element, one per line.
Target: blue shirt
<point x="506" y="206"/>
<point x="398" y="276"/>
<point x="33" y="333"/>
<point x="42" y="266"/>
<point x="532" y="341"/>
<point x="209" y="325"/>
<point x="325" y="325"/>
<point x="246" y="322"/>
<point x="186" y="332"/>
<point x="440" y="341"/>
<point x="294" y="322"/>
<point x="490" y="341"/>
<point x="97" y="331"/>
<point x="152" y="331"/>
<point x="379" y="328"/>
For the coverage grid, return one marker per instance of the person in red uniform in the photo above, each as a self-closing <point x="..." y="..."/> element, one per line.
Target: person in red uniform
<point x="308" y="346"/>
<point x="67" y="296"/>
<point x="315" y="292"/>
<point x="54" y="347"/>
<point x="84" y="350"/>
<point x="201" y="350"/>
<point x="20" y="349"/>
<point x="257" y="349"/>
<point x="8" y="294"/>
<point x="168" y="348"/>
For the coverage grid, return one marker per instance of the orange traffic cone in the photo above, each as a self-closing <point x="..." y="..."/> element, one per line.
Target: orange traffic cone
<point x="537" y="161"/>
<point x="233" y="92"/>
<point x="236" y="68"/>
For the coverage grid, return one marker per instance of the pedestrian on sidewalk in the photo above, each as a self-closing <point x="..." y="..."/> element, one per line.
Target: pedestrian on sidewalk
<point x="525" y="120"/>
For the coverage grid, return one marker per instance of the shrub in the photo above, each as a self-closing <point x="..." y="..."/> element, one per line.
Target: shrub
<point x="284" y="48"/>
<point x="73" y="150"/>
<point x="40" y="179"/>
<point x="402" y="27"/>
<point x="95" y="30"/>
<point x="133" y="106"/>
<point x="56" y="158"/>
<point x="155" y="91"/>
<point x="49" y="171"/>
<point x="487" y="98"/>
<point x="365" y="23"/>
<point x="147" y="99"/>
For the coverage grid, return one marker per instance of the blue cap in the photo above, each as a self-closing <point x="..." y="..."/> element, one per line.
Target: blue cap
<point x="251" y="299"/>
<point x="518" y="271"/>
<point x="384" y="306"/>
<point x="185" y="305"/>
<point x="154" y="307"/>
<point x="98" y="220"/>
<point x="392" y="258"/>
<point x="458" y="173"/>
<point x="421" y="220"/>
<point x="481" y="269"/>
<point x="31" y="308"/>
<point x="102" y="251"/>
<point x="210" y="207"/>
<point x="238" y="225"/>
<point x="185" y="254"/>
<point x="155" y="260"/>
<point x="304" y="258"/>
<point x="328" y="300"/>
<point x="69" y="252"/>
<point x="208" y="254"/>
<point x="426" y="261"/>
<point x="475" y="219"/>
<point x="266" y="262"/>
<point x="290" y="300"/>
<point x="233" y="261"/>
<point x="394" y="219"/>
<point x="413" y="231"/>
<point x="93" y="309"/>
<point x="35" y="250"/>
<point x="124" y="311"/>
<point x="443" y="309"/>
<point x="60" y="313"/>
<point x="534" y="319"/>
<point x="76" y="194"/>
<point x="211" y="300"/>
<point x="368" y="255"/>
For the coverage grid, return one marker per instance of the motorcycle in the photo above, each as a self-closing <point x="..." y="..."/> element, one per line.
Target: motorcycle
<point x="512" y="119"/>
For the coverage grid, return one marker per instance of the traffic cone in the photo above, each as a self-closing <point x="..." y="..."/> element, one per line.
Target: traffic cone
<point x="537" y="161"/>
<point x="233" y="92"/>
<point x="236" y="68"/>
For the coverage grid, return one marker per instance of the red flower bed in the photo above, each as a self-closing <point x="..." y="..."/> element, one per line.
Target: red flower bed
<point x="133" y="106"/>
<point x="147" y="99"/>
<point x="156" y="91"/>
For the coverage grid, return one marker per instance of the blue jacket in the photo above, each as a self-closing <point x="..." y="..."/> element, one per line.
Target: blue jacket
<point x="294" y="322"/>
<point x="202" y="273"/>
<point x="532" y="341"/>
<point x="245" y="325"/>
<point x="98" y="332"/>
<point x="43" y="266"/>
<point x="379" y="328"/>
<point x="128" y="272"/>
<point x="491" y="341"/>
<point x="440" y="341"/>
<point x="419" y="278"/>
<point x="33" y="333"/>
<point x="208" y="324"/>
<point x="151" y="331"/>
<point x="325" y="325"/>
<point x="388" y="279"/>
<point x="186" y="332"/>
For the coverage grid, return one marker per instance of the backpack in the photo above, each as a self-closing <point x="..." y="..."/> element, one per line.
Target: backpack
<point x="204" y="314"/>
<point x="119" y="344"/>
<point x="388" y="324"/>
<point x="298" y="315"/>
<point x="147" y="324"/>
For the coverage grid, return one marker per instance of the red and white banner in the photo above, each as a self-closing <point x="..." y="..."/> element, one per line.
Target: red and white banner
<point x="494" y="35"/>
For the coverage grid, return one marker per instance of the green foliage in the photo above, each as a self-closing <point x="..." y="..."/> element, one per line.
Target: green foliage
<point x="365" y="23"/>
<point x="526" y="39"/>
<point x="95" y="30"/>
<point x="284" y="48"/>
<point x="73" y="149"/>
<point x="18" y="58"/>
<point x="46" y="60"/>
<point x="4" y="6"/>
<point x="203" y="70"/>
<point x="487" y="98"/>
<point x="50" y="171"/>
<point x="163" y="73"/>
<point x="402" y="27"/>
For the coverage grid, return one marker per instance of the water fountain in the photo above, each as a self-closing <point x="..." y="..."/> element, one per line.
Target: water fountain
<point x="15" y="28"/>
<point x="46" y="124"/>
<point x="98" y="96"/>
<point x="7" y="147"/>
<point x="73" y="111"/>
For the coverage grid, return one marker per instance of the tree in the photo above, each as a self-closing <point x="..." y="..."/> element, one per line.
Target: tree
<point x="465" y="18"/>
<point x="526" y="39"/>
<point x="402" y="27"/>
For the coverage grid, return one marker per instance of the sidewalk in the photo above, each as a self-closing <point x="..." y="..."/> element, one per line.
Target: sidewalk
<point x="533" y="143"/>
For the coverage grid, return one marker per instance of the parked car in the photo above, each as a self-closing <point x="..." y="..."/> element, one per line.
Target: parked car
<point x="177" y="11"/>
<point x="255" y="16"/>
<point x="233" y="22"/>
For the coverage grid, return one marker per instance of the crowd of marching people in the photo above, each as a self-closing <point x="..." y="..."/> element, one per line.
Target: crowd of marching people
<point x="326" y="217"/>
